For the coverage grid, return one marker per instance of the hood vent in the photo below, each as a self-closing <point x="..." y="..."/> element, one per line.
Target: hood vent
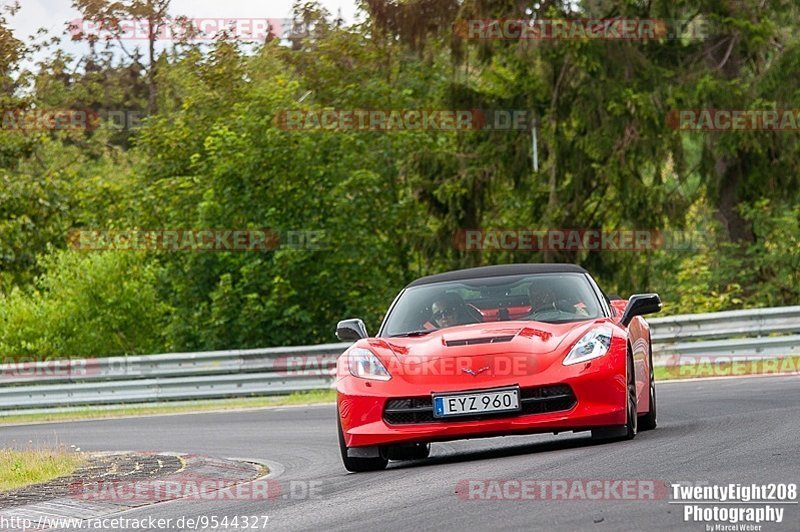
<point x="476" y="341"/>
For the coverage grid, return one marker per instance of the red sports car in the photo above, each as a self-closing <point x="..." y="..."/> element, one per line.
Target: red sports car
<point x="497" y="350"/>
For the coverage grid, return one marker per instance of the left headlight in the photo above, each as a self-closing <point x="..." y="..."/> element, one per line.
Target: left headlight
<point x="593" y="344"/>
<point x="365" y="365"/>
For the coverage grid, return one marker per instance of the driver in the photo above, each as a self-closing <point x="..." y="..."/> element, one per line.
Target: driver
<point x="449" y="310"/>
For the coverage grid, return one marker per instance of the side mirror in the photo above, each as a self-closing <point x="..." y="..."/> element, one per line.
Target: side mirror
<point x="640" y="304"/>
<point x="351" y="330"/>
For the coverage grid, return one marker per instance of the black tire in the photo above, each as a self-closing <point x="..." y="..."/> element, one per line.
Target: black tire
<point x="628" y="430"/>
<point x="415" y="451"/>
<point x="648" y="421"/>
<point x="632" y="425"/>
<point x="358" y="465"/>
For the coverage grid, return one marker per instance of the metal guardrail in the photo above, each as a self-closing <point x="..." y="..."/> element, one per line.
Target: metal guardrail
<point x="272" y="360"/>
<point x="755" y="333"/>
<point x="169" y="377"/>
<point x="755" y="322"/>
<point x="759" y="333"/>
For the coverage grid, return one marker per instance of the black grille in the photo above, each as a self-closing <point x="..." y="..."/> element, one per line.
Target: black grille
<point x="547" y="399"/>
<point x="409" y="410"/>
<point x="539" y="400"/>
<point x="476" y="341"/>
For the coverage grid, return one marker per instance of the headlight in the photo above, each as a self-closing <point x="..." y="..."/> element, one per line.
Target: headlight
<point x="365" y="365"/>
<point x="594" y="344"/>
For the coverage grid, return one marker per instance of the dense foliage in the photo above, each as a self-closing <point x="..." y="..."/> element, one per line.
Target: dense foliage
<point x="209" y="153"/>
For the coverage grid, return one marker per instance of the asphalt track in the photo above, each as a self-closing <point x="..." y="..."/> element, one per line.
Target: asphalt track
<point x="717" y="431"/>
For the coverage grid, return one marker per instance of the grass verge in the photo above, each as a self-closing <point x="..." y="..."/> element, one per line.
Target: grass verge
<point x="298" y="398"/>
<point x="712" y="367"/>
<point x="34" y="466"/>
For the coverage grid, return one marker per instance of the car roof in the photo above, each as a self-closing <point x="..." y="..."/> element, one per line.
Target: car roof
<point x="497" y="271"/>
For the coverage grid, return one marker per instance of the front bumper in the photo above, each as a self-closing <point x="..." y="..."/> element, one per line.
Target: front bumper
<point x="598" y="386"/>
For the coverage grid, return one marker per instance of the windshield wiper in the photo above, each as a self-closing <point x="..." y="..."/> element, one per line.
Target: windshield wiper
<point x="421" y="332"/>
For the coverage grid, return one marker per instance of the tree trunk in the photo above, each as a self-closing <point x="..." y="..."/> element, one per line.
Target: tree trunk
<point x="151" y="71"/>
<point x="728" y="176"/>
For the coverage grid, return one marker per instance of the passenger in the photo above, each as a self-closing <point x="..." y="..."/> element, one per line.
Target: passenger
<point x="542" y="298"/>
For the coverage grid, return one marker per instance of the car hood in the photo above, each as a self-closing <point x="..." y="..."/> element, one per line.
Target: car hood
<point x="505" y="348"/>
<point x="481" y="339"/>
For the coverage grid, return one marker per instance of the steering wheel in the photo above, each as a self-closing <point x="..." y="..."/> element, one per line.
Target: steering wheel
<point x="474" y="313"/>
<point x="471" y="313"/>
<point x="551" y="314"/>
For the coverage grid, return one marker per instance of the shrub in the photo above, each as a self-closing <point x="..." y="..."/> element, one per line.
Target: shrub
<point x="99" y="304"/>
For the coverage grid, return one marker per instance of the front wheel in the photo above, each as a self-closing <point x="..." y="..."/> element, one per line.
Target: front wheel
<point x="358" y="465"/>
<point x="648" y="421"/>
<point x="628" y="430"/>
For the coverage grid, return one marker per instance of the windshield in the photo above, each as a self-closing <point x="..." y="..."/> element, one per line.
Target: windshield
<point x="553" y="298"/>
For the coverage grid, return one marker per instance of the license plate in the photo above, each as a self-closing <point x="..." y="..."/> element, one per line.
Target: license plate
<point x="471" y="403"/>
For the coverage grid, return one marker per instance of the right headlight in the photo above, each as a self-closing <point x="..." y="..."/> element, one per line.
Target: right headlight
<point x="593" y="344"/>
